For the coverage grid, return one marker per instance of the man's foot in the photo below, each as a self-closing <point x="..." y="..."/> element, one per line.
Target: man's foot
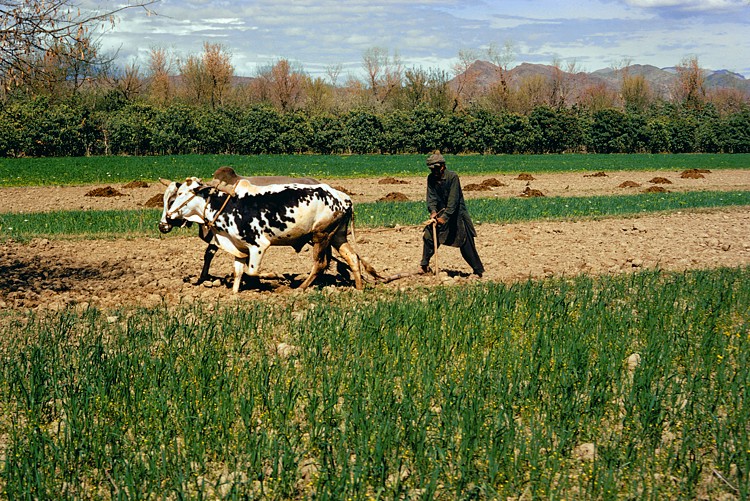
<point x="478" y="274"/>
<point x="424" y="269"/>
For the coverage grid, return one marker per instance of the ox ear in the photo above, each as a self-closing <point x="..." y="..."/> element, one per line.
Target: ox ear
<point x="165" y="182"/>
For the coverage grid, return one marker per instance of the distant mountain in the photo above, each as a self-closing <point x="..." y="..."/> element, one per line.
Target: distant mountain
<point x="661" y="80"/>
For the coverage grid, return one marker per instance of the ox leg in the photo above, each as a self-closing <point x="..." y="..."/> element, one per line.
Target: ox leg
<point x="319" y="263"/>
<point x="208" y="256"/>
<point x="239" y="268"/>
<point x="352" y="259"/>
<point x="254" y="258"/>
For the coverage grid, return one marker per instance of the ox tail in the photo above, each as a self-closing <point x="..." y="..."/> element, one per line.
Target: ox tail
<point x="354" y="235"/>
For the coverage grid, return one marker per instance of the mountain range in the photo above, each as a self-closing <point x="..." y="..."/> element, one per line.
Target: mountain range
<point x="661" y="80"/>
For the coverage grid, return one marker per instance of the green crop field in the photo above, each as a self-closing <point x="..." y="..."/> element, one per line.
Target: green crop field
<point x="629" y="386"/>
<point x="89" y="170"/>
<point x="632" y="386"/>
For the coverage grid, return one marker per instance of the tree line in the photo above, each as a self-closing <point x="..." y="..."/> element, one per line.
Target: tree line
<point x="110" y="126"/>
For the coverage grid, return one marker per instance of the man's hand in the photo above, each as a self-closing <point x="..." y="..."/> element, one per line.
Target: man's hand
<point x="441" y="221"/>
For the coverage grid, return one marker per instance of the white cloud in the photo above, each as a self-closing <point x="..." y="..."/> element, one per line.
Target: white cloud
<point x="429" y="33"/>
<point x="688" y="5"/>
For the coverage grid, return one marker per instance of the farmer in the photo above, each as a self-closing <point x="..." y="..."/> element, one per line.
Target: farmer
<point x="445" y="203"/>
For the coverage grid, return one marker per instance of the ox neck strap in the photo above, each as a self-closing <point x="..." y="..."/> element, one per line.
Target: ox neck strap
<point x="218" y="213"/>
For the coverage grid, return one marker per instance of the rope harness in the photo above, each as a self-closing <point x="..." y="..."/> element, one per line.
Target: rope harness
<point x="218" y="213"/>
<point x="211" y="223"/>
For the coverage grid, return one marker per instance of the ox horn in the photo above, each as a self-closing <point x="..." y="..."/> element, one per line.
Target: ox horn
<point x="165" y="182"/>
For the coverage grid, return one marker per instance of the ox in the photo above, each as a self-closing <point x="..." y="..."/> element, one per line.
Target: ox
<point x="226" y="180"/>
<point x="254" y="218"/>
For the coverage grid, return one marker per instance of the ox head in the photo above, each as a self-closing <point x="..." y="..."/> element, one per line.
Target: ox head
<point x="183" y="206"/>
<point x="170" y="193"/>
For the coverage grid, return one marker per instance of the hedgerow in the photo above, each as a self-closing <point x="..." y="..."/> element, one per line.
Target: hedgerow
<point x="40" y="128"/>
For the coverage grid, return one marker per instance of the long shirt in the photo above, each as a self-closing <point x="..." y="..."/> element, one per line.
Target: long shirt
<point x="446" y="195"/>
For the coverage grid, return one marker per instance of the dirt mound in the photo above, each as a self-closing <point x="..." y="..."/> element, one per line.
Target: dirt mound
<point x="477" y="187"/>
<point x="629" y="184"/>
<point x="155" y="201"/>
<point x="694" y="173"/>
<point x="529" y="193"/>
<point x="596" y="174"/>
<point x="394" y="196"/>
<point x="136" y="184"/>
<point x="525" y="177"/>
<point x="392" y="180"/>
<point x="492" y="183"/>
<point x="656" y="189"/>
<point x="660" y="180"/>
<point x="107" y="191"/>
<point x="344" y="190"/>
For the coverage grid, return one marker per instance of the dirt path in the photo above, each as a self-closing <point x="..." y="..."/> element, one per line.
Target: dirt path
<point x="52" y="274"/>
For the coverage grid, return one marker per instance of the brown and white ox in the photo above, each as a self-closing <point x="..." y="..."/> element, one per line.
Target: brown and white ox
<point x="227" y="180"/>
<point x="254" y="218"/>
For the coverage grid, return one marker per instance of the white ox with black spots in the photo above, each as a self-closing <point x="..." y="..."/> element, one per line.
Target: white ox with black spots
<point x="247" y="223"/>
<point x="204" y="232"/>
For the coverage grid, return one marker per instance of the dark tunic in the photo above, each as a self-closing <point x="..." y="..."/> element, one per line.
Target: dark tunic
<point x="445" y="194"/>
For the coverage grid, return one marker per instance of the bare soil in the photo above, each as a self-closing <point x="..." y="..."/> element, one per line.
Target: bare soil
<point x="149" y="271"/>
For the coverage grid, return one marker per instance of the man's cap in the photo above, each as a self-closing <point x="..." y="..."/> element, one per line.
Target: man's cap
<point x="435" y="159"/>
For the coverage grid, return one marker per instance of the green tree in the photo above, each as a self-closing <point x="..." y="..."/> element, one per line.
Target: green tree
<point x="608" y="132"/>
<point x="364" y="132"/>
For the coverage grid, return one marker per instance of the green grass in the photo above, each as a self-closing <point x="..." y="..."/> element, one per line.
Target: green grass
<point x="91" y="170"/>
<point x="486" y="391"/>
<point x="383" y="214"/>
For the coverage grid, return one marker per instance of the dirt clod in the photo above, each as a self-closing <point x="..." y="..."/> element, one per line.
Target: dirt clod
<point x="596" y="174"/>
<point x="660" y="180"/>
<point x="525" y="177"/>
<point x="656" y="189"/>
<point x="155" y="201"/>
<point x="392" y="180"/>
<point x="394" y="196"/>
<point x="107" y="191"/>
<point x="136" y="184"/>
<point x="629" y="184"/>
<point x="693" y="174"/>
<point x="529" y="193"/>
<point x="492" y="183"/>
<point x="344" y="190"/>
<point x="477" y="187"/>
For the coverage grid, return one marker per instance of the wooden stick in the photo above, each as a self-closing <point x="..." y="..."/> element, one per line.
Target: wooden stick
<point x="435" y="240"/>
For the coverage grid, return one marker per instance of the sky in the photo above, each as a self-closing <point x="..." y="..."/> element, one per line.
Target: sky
<point x="327" y="37"/>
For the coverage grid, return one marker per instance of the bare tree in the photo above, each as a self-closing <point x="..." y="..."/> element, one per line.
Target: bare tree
<point x="598" y="97"/>
<point x="160" y="87"/>
<point x="385" y="74"/>
<point x="29" y="29"/>
<point x="499" y="93"/>
<point x="194" y="80"/>
<point x="533" y="91"/>
<point x="561" y="84"/>
<point x="219" y="71"/>
<point x="465" y="81"/>
<point x="415" y="87"/>
<point x="207" y="78"/>
<point x="689" y="89"/>
<point x="282" y="85"/>
<point x="319" y="95"/>
<point x="635" y="91"/>
<point x="333" y="72"/>
<point x="127" y="82"/>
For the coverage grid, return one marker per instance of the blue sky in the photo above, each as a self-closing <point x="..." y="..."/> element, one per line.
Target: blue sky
<point x="324" y="34"/>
